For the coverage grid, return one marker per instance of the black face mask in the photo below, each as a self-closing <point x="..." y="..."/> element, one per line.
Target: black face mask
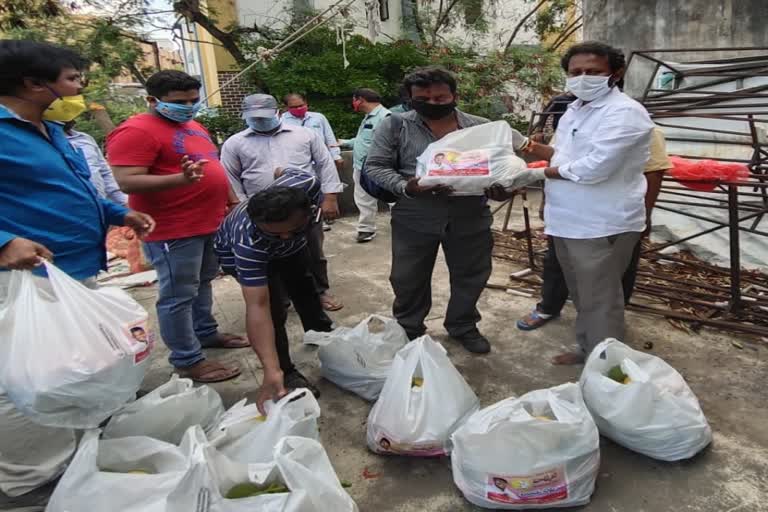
<point x="433" y="111"/>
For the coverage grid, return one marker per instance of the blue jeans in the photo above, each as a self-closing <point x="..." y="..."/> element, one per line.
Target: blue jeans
<point x="185" y="268"/>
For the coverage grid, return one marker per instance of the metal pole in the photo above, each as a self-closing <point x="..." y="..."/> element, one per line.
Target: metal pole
<point x="733" y="228"/>
<point x="527" y="218"/>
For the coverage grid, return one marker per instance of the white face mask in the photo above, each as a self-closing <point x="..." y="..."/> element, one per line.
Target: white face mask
<point x="588" y="87"/>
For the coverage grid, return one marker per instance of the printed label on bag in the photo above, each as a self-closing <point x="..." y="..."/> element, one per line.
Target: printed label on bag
<point x="139" y="333"/>
<point x="544" y="487"/>
<point x="446" y="162"/>
<point x="385" y="444"/>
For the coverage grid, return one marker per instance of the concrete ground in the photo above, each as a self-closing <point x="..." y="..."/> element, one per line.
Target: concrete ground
<point x="730" y="476"/>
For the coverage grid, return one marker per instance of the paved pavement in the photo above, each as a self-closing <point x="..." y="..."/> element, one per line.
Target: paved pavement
<point x="730" y="476"/>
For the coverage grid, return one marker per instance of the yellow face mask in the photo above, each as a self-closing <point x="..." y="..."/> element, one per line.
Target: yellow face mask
<point x="65" y="109"/>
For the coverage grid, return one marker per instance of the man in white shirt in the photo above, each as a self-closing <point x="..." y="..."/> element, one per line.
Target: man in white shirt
<point x="297" y="113"/>
<point x="101" y="174"/>
<point x="255" y="155"/>
<point x="595" y="189"/>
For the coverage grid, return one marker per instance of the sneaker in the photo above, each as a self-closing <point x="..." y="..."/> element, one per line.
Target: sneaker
<point x="326" y="225"/>
<point x="295" y="380"/>
<point x="365" y="236"/>
<point x="474" y="342"/>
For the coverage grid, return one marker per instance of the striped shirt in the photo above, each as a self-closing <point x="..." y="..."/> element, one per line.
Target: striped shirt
<point x="244" y="251"/>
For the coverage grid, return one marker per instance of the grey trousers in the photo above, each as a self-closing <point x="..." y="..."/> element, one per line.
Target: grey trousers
<point x="467" y="245"/>
<point x="593" y="270"/>
<point x="318" y="264"/>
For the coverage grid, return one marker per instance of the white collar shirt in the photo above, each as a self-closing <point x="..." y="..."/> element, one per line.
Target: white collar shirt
<point x="601" y="149"/>
<point x="251" y="158"/>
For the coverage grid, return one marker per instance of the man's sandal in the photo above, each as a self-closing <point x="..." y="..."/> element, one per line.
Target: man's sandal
<point x="533" y="321"/>
<point x="207" y="372"/>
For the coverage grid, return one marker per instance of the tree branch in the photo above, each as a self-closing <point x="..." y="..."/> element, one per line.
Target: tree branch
<point x="522" y="22"/>
<point x="136" y="72"/>
<point x="214" y="43"/>
<point x="564" y="37"/>
<point x="443" y="20"/>
<point x="190" y="9"/>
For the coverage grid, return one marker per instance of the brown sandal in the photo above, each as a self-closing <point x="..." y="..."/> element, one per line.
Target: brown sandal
<point x="225" y="340"/>
<point x="329" y="302"/>
<point x="207" y="372"/>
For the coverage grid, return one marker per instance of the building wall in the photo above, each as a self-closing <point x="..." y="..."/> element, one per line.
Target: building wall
<point x="652" y="24"/>
<point x="502" y="16"/>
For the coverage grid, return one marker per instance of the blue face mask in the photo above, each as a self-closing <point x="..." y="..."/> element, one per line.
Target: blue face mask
<point x="177" y="113"/>
<point x="263" y="124"/>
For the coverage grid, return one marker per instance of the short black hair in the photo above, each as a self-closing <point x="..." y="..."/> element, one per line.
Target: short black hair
<point x="367" y="94"/>
<point x="137" y="329"/>
<point x="23" y="59"/>
<point x="167" y="80"/>
<point x="616" y="59"/>
<point x="294" y="95"/>
<point x="277" y="204"/>
<point x="426" y="76"/>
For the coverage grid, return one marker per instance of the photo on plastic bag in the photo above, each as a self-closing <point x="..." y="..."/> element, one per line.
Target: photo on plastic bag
<point x="538" y="489"/>
<point x="387" y="445"/>
<point x="447" y="162"/>
<point x="139" y="334"/>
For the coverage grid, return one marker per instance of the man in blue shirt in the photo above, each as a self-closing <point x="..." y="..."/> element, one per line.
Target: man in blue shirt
<point x="368" y="102"/>
<point x="297" y="114"/>
<point x="48" y="207"/>
<point x="263" y="244"/>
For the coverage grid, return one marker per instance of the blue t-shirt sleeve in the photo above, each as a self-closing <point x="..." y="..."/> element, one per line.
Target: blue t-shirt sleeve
<point x="114" y="213"/>
<point x="5" y="237"/>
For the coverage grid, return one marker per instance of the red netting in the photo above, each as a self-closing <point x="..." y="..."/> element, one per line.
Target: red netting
<point x="703" y="175"/>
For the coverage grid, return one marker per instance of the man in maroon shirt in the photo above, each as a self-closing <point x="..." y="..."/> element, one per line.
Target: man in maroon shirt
<point x="170" y="168"/>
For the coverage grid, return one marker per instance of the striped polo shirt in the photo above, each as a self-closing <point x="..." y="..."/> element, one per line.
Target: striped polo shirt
<point x="244" y="251"/>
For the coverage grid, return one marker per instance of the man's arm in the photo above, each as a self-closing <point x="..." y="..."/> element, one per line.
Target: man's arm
<point x="261" y="334"/>
<point x="18" y="253"/>
<point x="618" y="134"/>
<point x="231" y="162"/>
<point x="324" y="167"/>
<point x="381" y="160"/>
<point x="330" y="139"/>
<point x="540" y="151"/>
<point x="113" y="212"/>
<point x="132" y="151"/>
<point x="136" y="180"/>
<point x="96" y="160"/>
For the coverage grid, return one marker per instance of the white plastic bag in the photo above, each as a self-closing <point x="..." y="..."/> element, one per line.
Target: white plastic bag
<point x="70" y="356"/>
<point x="299" y="464"/>
<point x="541" y="450"/>
<point x="358" y="359"/>
<point x="244" y="435"/>
<point x="655" y="414"/>
<point x="30" y="455"/>
<point x="424" y="400"/>
<point x="167" y="412"/>
<point x="131" y="474"/>
<point x="473" y="159"/>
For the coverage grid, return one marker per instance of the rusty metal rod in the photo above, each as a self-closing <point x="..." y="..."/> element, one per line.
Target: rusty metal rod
<point x="722" y="324"/>
<point x="694" y="284"/>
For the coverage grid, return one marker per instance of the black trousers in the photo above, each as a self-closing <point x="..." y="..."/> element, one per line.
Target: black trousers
<point x="467" y="244"/>
<point x="318" y="263"/>
<point x="291" y="278"/>
<point x="554" y="290"/>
